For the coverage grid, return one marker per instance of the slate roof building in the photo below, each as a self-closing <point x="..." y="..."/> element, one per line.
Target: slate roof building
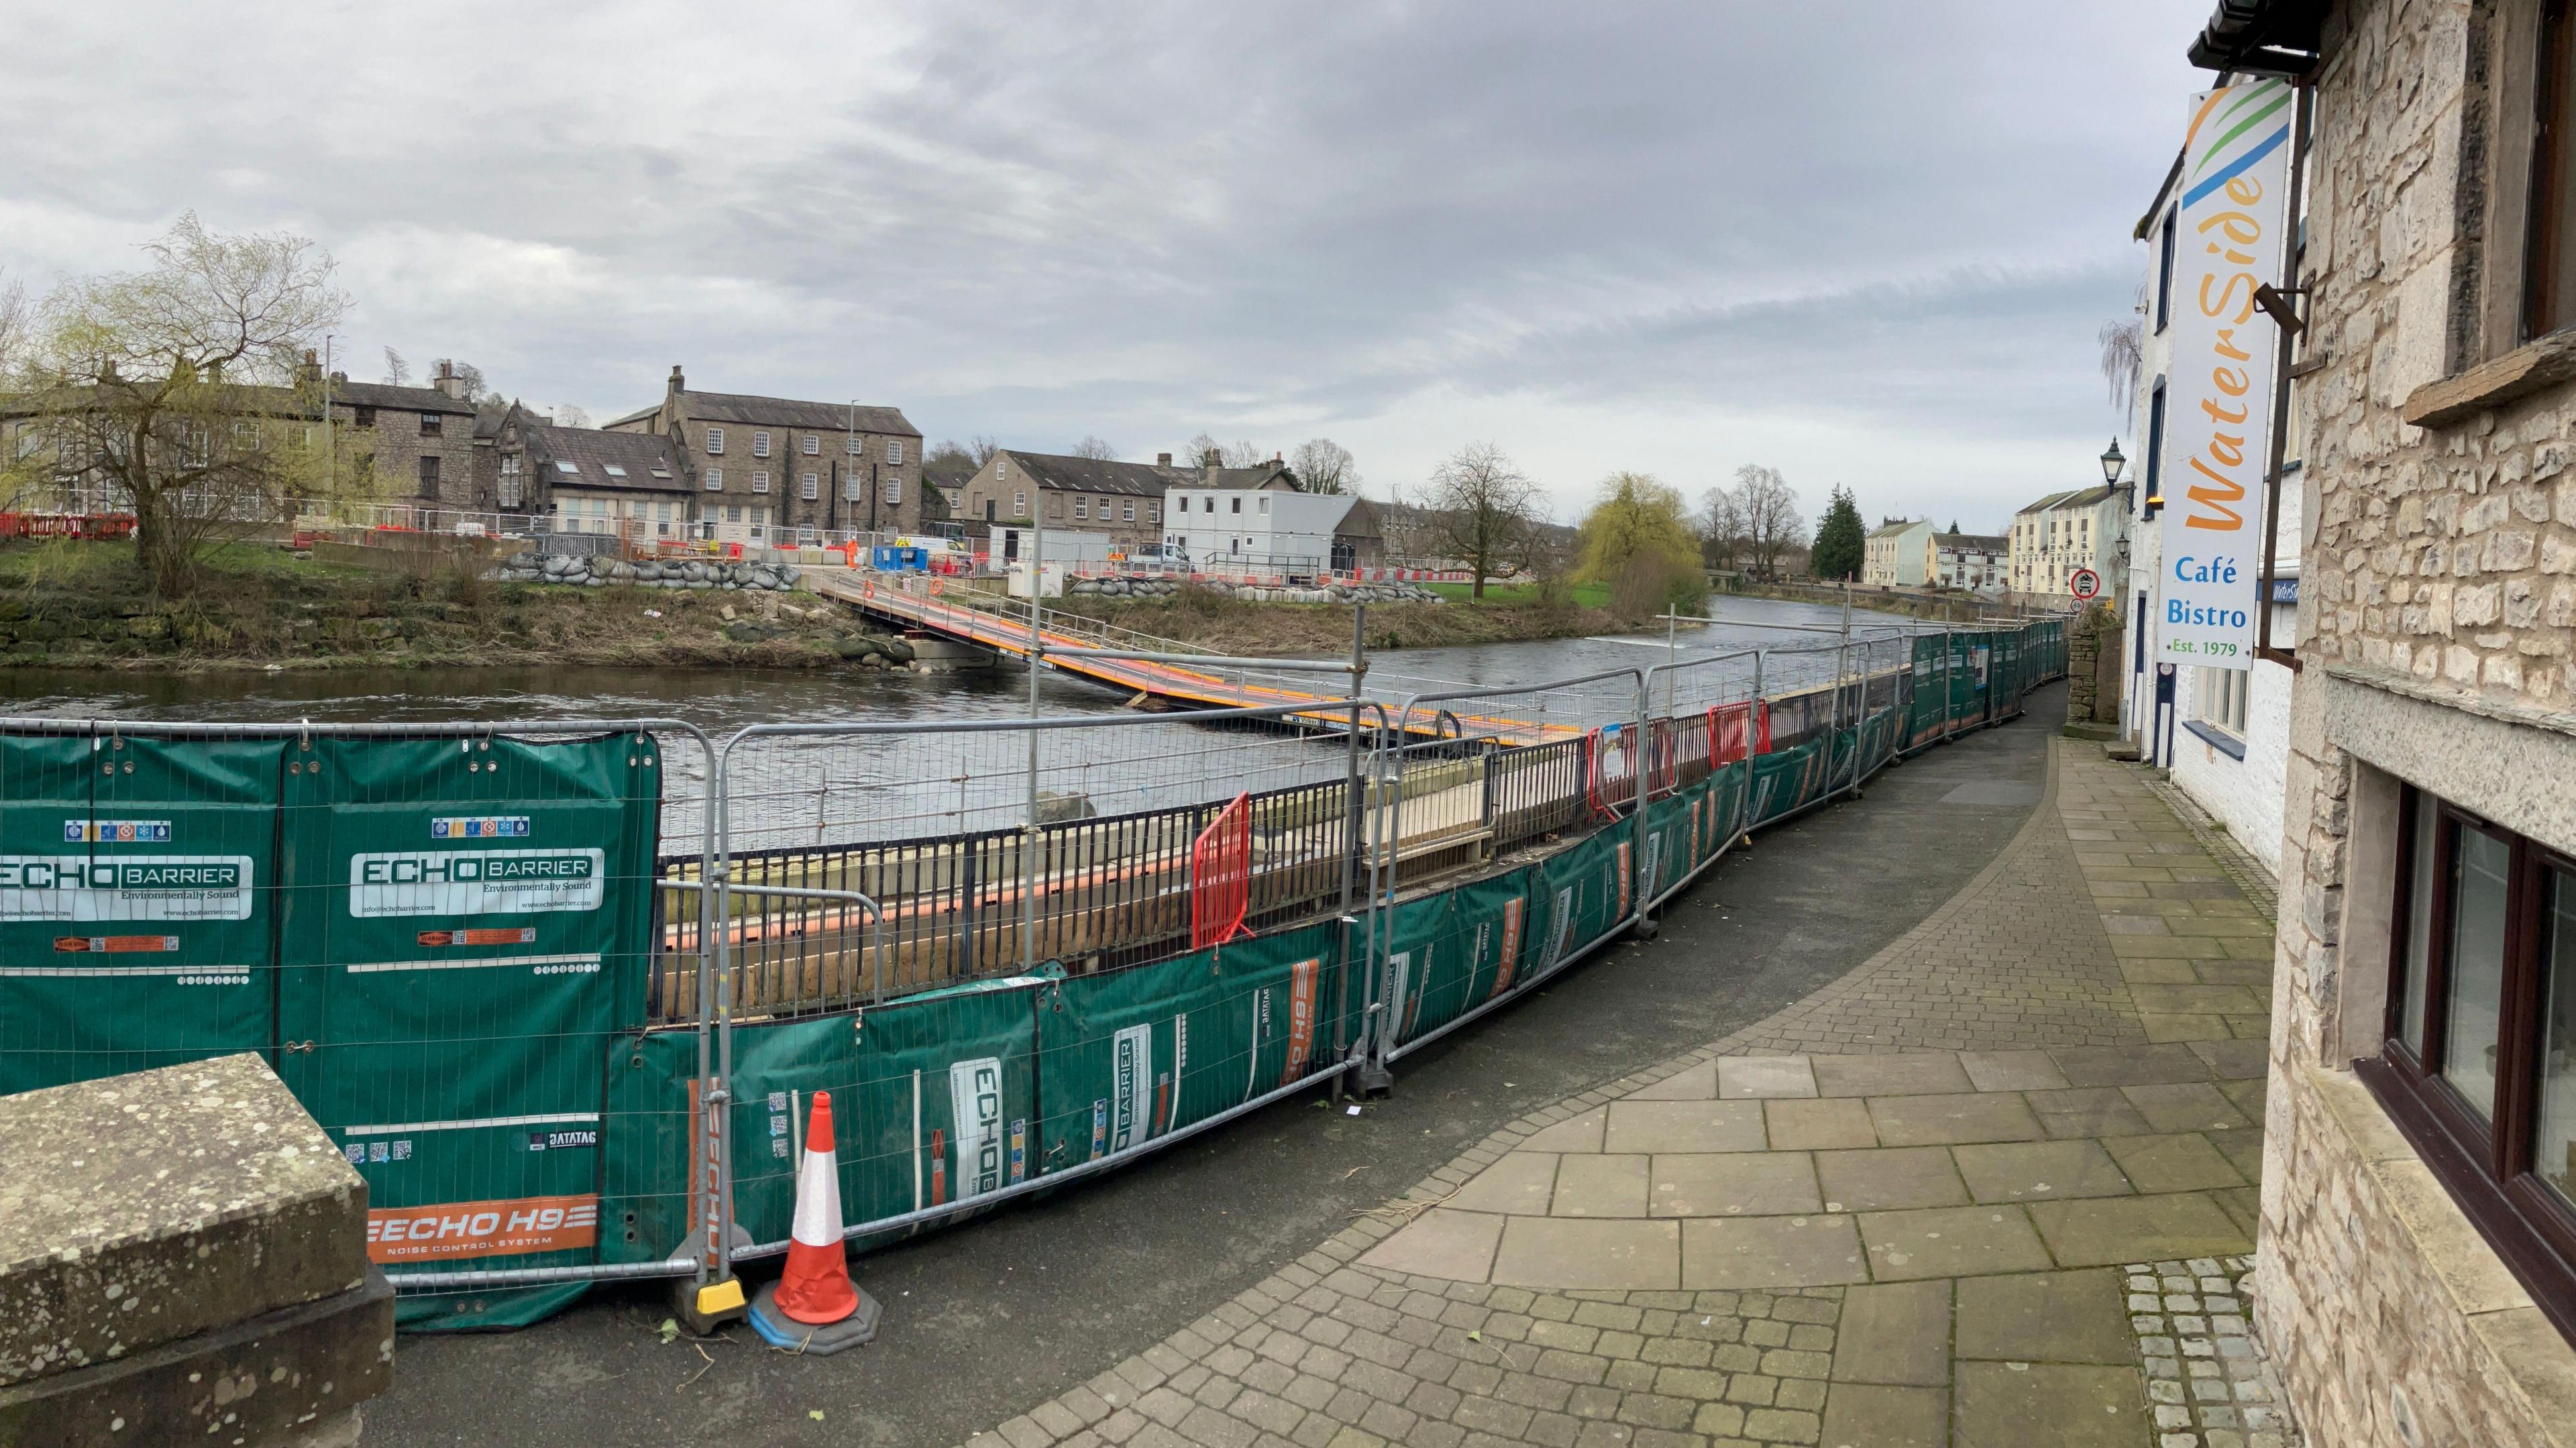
<point x="776" y="471"/>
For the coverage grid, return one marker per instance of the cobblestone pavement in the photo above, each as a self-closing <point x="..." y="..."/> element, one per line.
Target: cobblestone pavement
<point x="1993" y="1187"/>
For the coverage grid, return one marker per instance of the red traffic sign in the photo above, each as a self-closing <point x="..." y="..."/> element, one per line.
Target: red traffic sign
<point x="2084" y="583"/>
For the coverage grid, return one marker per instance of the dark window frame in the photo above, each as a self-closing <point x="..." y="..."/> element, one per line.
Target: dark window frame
<point x="362" y="416"/>
<point x="433" y="425"/>
<point x="2152" y="480"/>
<point x="2485" y="1164"/>
<point x="429" y="475"/>
<point x="2548" y="300"/>
<point x="2165" y="267"/>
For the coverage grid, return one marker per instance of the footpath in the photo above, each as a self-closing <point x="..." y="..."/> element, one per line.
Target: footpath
<point x="1994" y="1187"/>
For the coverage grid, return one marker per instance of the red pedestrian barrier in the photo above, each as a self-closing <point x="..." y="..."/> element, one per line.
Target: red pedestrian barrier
<point x="1221" y="875"/>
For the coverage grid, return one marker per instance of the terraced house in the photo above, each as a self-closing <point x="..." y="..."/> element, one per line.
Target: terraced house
<point x="775" y="472"/>
<point x="2417" y="1273"/>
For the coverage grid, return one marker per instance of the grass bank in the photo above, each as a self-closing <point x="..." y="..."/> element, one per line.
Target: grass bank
<point x="85" y="605"/>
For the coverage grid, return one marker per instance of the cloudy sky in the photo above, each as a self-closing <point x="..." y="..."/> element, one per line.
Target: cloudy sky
<point x="1862" y="242"/>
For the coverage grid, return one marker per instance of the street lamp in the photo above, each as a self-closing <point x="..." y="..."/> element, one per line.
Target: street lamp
<point x="2112" y="462"/>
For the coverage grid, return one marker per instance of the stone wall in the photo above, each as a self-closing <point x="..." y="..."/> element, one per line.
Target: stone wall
<point x="2433" y="634"/>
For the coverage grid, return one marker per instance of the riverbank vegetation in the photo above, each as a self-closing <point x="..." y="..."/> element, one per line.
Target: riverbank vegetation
<point x="1204" y="618"/>
<point x="72" y="603"/>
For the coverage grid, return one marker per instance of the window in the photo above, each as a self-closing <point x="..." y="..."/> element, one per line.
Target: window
<point x="429" y="476"/>
<point x="894" y="452"/>
<point x="1020" y="504"/>
<point x="2165" y="265"/>
<point x="2222" y="697"/>
<point x="2152" y="496"/>
<point x="715" y="442"/>
<point x="1238" y="503"/>
<point x="852" y="489"/>
<point x="760" y="478"/>
<point x="612" y="469"/>
<point x="810" y="486"/>
<point x="1081" y="506"/>
<point x="813" y="446"/>
<point x="760" y="444"/>
<point x="430" y="424"/>
<point x="733" y="512"/>
<point x="853" y="445"/>
<point x="804" y="535"/>
<point x="894" y="492"/>
<point x="2549" y="237"/>
<point x="715" y="480"/>
<point x="2479" y="1069"/>
<point x="363" y="417"/>
<point x="1127" y="511"/>
<point x="1262" y="506"/>
<point x="513" y="485"/>
<point x="1001" y="470"/>
<point x="1153" y="512"/>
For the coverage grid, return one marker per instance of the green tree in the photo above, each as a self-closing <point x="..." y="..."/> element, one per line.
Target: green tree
<point x="1840" y="542"/>
<point x="183" y="392"/>
<point x="1638" y="539"/>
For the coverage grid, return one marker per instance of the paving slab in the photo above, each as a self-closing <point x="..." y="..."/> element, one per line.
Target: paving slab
<point x="1576" y="1133"/>
<point x="1952" y="1120"/>
<point x="2011" y="1070"/>
<point x="1863" y="1415"/>
<point x="2062" y="1317"/>
<point x="1736" y="1252"/>
<point x="1726" y="1184"/>
<point x="2087" y="1111"/>
<point x="1442" y="1242"/>
<point x="2188" y="1106"/>
<point x="1600" y="1186"/>
<point x="2130" y="1066"/>
<point x="1570" y="1252"/>
<point x="1951" y="1242"/>
<point x="2109" y="1230"/>
<point x="1819" y="1125"/>
<point x="2178" y="1163"/>
<point x="1912" y="1074"/>
<point x="1646" y="1127"/>
<point x="1522" y="1182"/>
<point x="1694" y="1082"/>
<point x="2020" y="1405"/>
<point x="1890" y="1178"/>
<point x="1740" y="1077"/>
<point x="2031" y="1171"/>
<point x="1895" y="1332"/>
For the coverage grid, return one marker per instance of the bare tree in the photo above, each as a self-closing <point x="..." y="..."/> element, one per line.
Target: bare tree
<point x="1483" y="508"/>
<point x="1721" y="527"/>
<point x="397" y="371"/>
<point x="1772" y="521"/>
<point x="571" y="415"/>
<point x="1207" y="452"/>
<point x="981" y="449"/>
<point x="1093" y="447"/>
<point x="1324" y="466"/>
<point x="185" y="391"/>
<point x="2124" y="353"/>
<point x="17" y="328"/>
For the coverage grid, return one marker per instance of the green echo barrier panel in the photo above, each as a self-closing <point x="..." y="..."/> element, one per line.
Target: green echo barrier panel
<point x="1130" y="1055"/>
<point x="463" y="928"/>
<point x="1448" y="953"/>
<point x="137" y="922"/>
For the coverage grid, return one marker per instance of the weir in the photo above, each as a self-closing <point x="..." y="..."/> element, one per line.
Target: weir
<point x="569" y="980"/>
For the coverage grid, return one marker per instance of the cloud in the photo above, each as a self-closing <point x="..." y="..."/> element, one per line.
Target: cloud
<point x="1851" y="240"/>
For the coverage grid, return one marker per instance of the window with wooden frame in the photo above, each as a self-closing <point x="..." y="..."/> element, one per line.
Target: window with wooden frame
<point x="2479" y="1069"/>
<point x="2525" y="273"/>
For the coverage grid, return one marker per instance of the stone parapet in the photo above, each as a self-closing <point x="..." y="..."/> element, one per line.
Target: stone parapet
<point x="186" y="1256"/>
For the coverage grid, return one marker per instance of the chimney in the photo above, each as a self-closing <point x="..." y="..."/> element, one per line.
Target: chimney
<point x="310" y="372"/>
<point x="1162" y="460"/>
<point x="447" y="380"/>
<point x="679" y="384"/>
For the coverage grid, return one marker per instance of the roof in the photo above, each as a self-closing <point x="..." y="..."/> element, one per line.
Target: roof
<point x="399" y="399"/>
<point x="1899" y="528"/>
<point x="2261" y="37"/>
<point x="592" y="453"/>
<point x="2082" y="498"/>
<point x="2044" y="504"/>
<point x="750" y="410"/>
<point x="1144" y="480"/>
<point x="1971" y="542"/>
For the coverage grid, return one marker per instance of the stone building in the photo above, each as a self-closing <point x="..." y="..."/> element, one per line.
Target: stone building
<point x="1967" y="560"/>
<point x="635" y="485"/>
<point x="2417" y="1278"/>
<point x="415" y="443"/>
<point x="2062" y="532"/>
<point x="1095" y="495"/>
<point x="777" y="472"/>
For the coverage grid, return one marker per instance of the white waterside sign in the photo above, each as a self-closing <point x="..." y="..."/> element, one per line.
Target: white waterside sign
<point x="2230" y="226"/>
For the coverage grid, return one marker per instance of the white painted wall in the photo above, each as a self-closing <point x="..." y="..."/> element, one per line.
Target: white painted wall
<point x="2243" y="794"/>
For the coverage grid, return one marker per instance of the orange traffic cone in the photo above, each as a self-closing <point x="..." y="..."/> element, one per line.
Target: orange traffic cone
<point x="814" y="1307"/>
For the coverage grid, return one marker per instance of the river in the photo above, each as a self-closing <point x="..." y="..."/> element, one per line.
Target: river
<point x="928" y="781"/>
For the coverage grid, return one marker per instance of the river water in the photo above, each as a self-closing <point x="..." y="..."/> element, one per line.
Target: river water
<point x="719" y="701"/>
<point x="928" y="780"/>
